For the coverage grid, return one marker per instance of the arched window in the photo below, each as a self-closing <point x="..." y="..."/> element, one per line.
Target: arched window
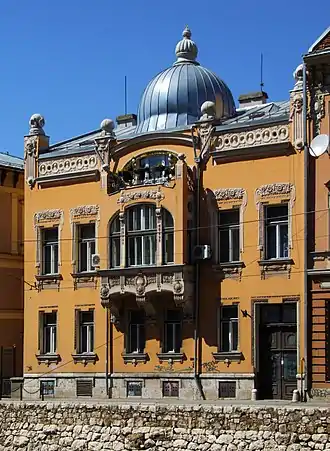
<point x="115" y="242"/>
<point x="141" y="235"/>
<point x="145" y="243"/>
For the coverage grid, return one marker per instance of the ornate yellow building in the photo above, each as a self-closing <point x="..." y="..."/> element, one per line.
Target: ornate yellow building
<point x="167" y="251"/>
<point x="11" y="269"/>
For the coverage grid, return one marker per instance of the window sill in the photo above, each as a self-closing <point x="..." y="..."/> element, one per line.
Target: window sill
<point x="48" y="359"/>
<point x="135" y="357"/>
<point x="171" y="357"/>
<point x="230" y="356"/>
<point x="48" y="280"/>
<point x="83" y="279"/>
<point x="85" y="358"/>
<point x="275" y="266"/>
<point x="230" y="269"/>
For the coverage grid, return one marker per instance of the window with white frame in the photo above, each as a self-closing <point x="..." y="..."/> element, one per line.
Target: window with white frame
<point x="136" y="332"/>
<point x="115" y="243"/>
<point x="86" y="332"/>
<point x="49" y="332"/>
<point x="168" y="238"/>
<point x="49" y="243"/>
<point x="141" y="235"/>
<point x="229" y="245"/>
<point x="276" y="228"/>
<point x="86" y="246"/>
<point x="140" y="240"/>
<point x="228" y="331"/>
<point x="173" y="332"/>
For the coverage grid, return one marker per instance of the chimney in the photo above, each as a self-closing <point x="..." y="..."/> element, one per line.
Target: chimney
<point x="126" y="120"/>
<point x="252" y="99"/>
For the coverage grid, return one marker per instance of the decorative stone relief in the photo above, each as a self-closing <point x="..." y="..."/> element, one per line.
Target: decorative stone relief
<point x="84" y="211"/>
<point x="318" y="108"/>
<point x="48" y="216"/>
<point x="30" y="156"/>
<point x="253" y="138"/>
<point x="222" y="194"/>
<point x="67" y="165"/>
<point x="140" y="195"/>
<point x="275" y="189"/>
<point x="178" y="281"/>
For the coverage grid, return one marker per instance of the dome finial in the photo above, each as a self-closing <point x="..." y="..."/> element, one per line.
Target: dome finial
<point x="186" y="33"/>
<point x="186" y="50"/>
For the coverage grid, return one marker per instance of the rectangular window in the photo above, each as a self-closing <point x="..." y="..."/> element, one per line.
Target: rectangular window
<point x="86" y="247"/>
<point x="228" y="339"/>
<point x="227" y="389"/>
<point x="173" y="332"/>
<point x="50" y="251"/>
<point x="49" y="333"/>
<point x="136" y="332"/>
<point x="229" y="236"/>
<point x="141" y="236"/>
<point x="276" y="225"/>
<point x="86" y="332"/>
<point x="115" y="243"/>
<point x="47" y="388"/>
<point x="171" y="389"/>
<point x="134" y="388"/>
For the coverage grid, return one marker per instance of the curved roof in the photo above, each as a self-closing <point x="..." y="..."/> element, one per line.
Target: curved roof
<point x="174" y="97"/>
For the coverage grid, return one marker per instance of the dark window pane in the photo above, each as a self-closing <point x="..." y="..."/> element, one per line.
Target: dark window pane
<point x="87" y="231"/>
<point x="234" y="337"/>
<point x="167" y="219"/>
<point x="177" y="337"/>
<point x="169" y="247"/>
<point x="271" y="242"/>
<point x="270" y="313"/>
<point x="224" y="345"/>
<point x="277" y="213"/>
<point x="284" y="241"/>
<point x="228" y="312"/>
<point x="235" y="244"/>
<point x="173" y="315"/>
<point x="229" y="217"/>
<point x="115" y="225"/>
<point x="87" y="317"/>
<point x="55" y="250"/>
<point x="50" y="235"/>
<point x="224" y="246"/>
<point x="138" y="247"/>
<point x="115" y="252"/>
<point x="83" y="257"/>
<point x="47" y="263"/>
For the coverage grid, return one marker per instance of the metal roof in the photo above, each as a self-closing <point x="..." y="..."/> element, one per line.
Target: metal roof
<point x="10" y="161"/>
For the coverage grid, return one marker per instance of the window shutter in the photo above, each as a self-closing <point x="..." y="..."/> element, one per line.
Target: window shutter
<point x="41" y="332"/>
<point x="76" y="330"/>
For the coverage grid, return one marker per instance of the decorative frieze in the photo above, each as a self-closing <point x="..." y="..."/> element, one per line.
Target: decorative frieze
<point x="275" y="189"/>
<point x="253" y="138"/>
<point x="84" y="211"/>
<point x="223" y="194"/>
<point x="54" y="215"/>
<point x="125" y="197"/>
<point x="67" y="165"/>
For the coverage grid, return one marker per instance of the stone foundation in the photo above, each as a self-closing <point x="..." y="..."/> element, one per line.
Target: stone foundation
<point x="151" y="385"/>
<point x="108" y="426"/>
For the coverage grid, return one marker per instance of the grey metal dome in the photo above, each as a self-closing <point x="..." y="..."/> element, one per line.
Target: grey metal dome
<point x="174" y="97"/>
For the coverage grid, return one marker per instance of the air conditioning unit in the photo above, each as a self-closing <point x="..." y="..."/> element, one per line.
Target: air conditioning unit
<point x="96" y="260"/>
<point x="202" y="252"/>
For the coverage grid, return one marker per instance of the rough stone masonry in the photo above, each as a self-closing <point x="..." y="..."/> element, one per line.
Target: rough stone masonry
<point x="91" y="426"/>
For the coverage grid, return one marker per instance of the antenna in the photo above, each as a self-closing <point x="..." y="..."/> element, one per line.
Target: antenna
<point x="125" y="93"/>
<point x="261" y="72"/>
<point x="319" y="145"/>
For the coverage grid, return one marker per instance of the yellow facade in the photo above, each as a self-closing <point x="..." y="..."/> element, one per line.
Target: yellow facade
<point x="85" y="333"/>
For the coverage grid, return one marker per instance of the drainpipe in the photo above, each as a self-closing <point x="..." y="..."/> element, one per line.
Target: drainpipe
<point x="107" y="353"/>
<point x="197" y="271"/>
<point x="306" y="162"/>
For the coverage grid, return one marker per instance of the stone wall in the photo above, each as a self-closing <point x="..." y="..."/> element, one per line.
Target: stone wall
<point x="90" y="426"/>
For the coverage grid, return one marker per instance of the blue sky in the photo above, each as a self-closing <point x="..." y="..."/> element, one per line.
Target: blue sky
<point x="67" y="59"/>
